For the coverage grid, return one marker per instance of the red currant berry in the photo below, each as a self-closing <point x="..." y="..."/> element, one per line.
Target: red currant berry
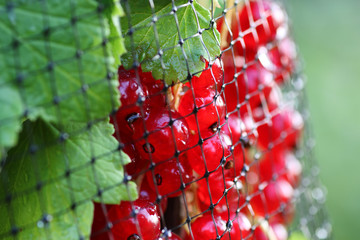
<point x="99" y="231"/>
<point x="280" y="59"/>
<point x="205" y="227"/>
<point x="249" y="84"/>
<point x="167" y="177"/>
<point x="241" y="226"/>
<point x="147" y="193"/>
<point x="210" y="108"/>
<point x="137" y="164"/>
<point x="145" y="225"/>
<point x="234" y="127"/>
<point x="168" y="133"/>
<point x="132" y="93"/>
<point x="287" y="124"/>
<point x="211" y="152"/>
<point x="233" y="200"/>
<point x="267" y="17"/>
<point x="274" y="194"/>
<point x="235" y="162"/>
<point x="212" y="76"/>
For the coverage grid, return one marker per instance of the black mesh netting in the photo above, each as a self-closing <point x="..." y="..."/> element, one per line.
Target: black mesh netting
<point x="212" y="139"/>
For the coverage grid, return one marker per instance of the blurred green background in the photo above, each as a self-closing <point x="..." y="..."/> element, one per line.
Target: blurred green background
<point x="328" y="35"/>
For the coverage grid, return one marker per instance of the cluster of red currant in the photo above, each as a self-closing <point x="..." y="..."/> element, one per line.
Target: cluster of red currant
<point x="223" y="141"/>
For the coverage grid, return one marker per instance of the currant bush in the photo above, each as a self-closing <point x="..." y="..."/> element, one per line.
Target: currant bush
<point x="213" y="157"/>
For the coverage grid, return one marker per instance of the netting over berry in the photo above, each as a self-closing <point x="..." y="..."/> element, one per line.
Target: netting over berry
<point x="150" y="120"/>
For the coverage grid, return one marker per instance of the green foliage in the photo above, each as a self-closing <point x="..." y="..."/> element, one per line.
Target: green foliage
<point x="35" y="175"/>
<point x="58" y="65"/>
<point x="145" y="43"/>
<point x="53" y="55"/>
<point x="10" y="123"/>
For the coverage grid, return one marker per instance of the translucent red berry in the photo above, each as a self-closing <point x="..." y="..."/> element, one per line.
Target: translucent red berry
<point x="99" y="230"/>
<point x="149" y="194"/>
<point x="138" y="222"/>
<point x="215" y="187"/>
<point x="247" y="85"/>
<point x="284" y="128"/>
<point x="210" y="108"/>
<point x="211" y="77"/>
<point x="167" y="133"/>
<point x="205" y="227"/>
<point x="274" y="195"/>
<point x="213" y="149"/>
<point x="167" y="177"/>
<point x="241" y="228"/>
<point x="133" y="96"/>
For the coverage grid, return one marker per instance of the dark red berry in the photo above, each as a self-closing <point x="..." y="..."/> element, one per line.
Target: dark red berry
<point x="205" y="227"/>
<point x="241" y="228"/>
<point x="280" y="59"/>
<point x="132" y="97"/>
<point x="137" y="164"/>
<point x="217" y="185"/>
<point x="211" y="77"/>
<point x="168" y="133"/>
<point x="284" y="127"/>
<point x="248" y="84"/>
<point x="167" y="177"/>
<point x="99" y="230"/>
<point x="211" y="108"/>
<point x="145" y="224"/>
<point x="234" y="128"/>
<point x="274" y="195"/>
<point x="211" y="152"/>
<point x="147" y="193"/>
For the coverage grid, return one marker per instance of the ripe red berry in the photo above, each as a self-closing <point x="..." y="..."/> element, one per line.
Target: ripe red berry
<point x="147" y="193"/>
<point x="167" y="177"/>
<point x="214" y="149"/>
<point x="280" y="59"/>
<point x="233" y="200"/>
<point x="210" y="108"/>
<point x="211" y="77"/>
<point x="267" y="17"/>
<point x="145" y="224"/>
<point x="137" y="164"/>
<point x="234" y="127"/>
<point x="168" y="133"/>
<point x="241" y="226"/>
<point x="132" y="97"/>
<point x="268" y="21"/>
<point x="99" y="230"/>
<point x="284" y="127"/>
<point x="249" y="84"/>
<point x="205" y="227"/>
<point x="275" y="194"/>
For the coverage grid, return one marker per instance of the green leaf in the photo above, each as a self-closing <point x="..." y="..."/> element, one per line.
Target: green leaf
<point x="56" y="54"/>
<point x="143" y="45"/>
<point x="10" y="117"/>
<point x="113" y="11"/>
<point x="35" y="176"/>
